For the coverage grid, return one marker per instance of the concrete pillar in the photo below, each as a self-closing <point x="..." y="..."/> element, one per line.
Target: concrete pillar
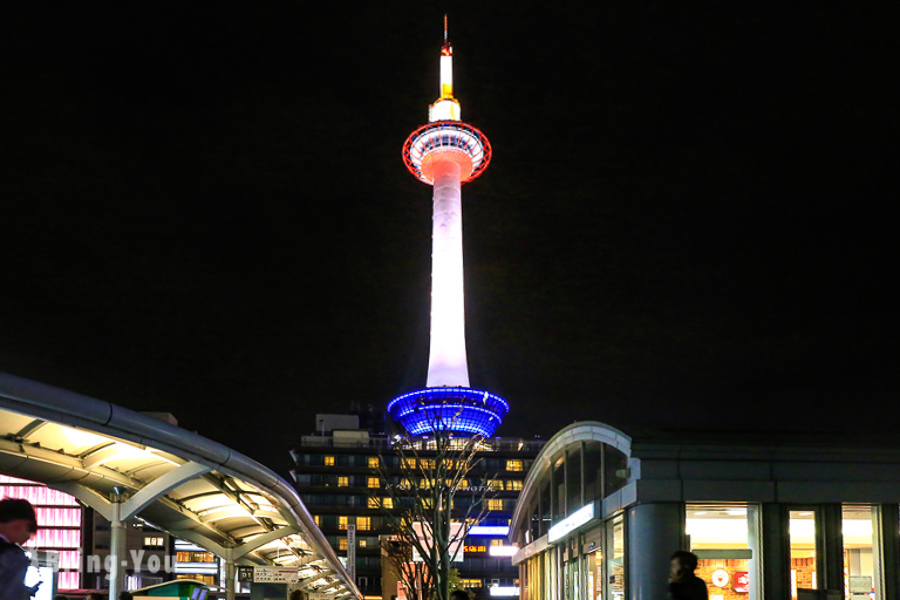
<point x="776" y="552"/>
<point x="655" y="531"/>
<point x="230" y="576"/>
<point x="754" y="538"/>
<point x="830" y="547"/>
<point x="447" y="364"/>
<point x="117" y="552"/>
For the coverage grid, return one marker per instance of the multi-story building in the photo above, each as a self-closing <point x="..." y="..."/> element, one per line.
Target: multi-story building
<point x="336" y="472"/>
<point x="194" y="562"/>
<point x="59" y="517"/>
<point x="149" y="553"/>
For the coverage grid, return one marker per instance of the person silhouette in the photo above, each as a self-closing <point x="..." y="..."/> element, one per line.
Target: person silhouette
<point x="683" y="584"/>
<point x="18" y="522"/>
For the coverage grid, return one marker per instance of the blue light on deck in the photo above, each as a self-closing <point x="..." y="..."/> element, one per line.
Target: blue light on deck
<point x="462" y="411"/>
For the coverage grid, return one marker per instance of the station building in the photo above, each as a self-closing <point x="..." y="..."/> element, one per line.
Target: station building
<point x="770" y="516"/>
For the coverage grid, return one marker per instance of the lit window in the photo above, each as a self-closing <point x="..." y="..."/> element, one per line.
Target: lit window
<point x="409" y="463"/>
<point x="342" y="543"/>
<point x="373" y="503"/>
<point x="362" y="543"/>
<point x="374" y="482"/>
<point x="329" y="461"/>
<point x="153" y="542"/>
<point x="387" y="502"/>
<point x="514" y="465"/>
<point x="374" y="462"/>
<point x="342" y="522"/>
<point x="343" y="482"/>
<point x="497" y="542"/>
<point x="316" y="519"/>
<point x="463" y="484"/>
<point x="495" y="504"/>
<point x="405" y="483"/>
<point x="363" y="523"/>
<point x="514" y="485"/>
<point x="496" y="485"/>
<point x="426" y="463"/>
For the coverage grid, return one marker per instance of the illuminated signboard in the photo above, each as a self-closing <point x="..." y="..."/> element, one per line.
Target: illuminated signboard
<point x="456" y="548"/>
<point x="503" y="550"/>
<point x="476" y="549"/>
<point x="496" y="530"/>
<point x="571" y="523"/>
<point x="720" y="578"/>
<point x="505" y="592"/>
<point x="742" y="582"/>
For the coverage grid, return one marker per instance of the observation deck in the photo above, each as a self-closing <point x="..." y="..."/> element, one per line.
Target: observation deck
<point x="446" y="140"/>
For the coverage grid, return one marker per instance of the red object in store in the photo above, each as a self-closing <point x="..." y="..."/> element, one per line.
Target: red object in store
<point x="742" y="582"/>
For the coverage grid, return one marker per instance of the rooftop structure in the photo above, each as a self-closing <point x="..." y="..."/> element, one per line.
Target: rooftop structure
<point x="445" y="153"/>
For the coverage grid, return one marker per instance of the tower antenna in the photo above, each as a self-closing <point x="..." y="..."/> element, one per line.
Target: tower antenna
<point x="445" y="30"/>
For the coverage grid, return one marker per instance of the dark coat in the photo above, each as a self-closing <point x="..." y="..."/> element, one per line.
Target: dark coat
<point x="690" y="587"/>
<point x="13" y="565"/>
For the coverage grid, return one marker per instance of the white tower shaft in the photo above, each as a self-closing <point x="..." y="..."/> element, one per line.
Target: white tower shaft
<point x="447" y="364"/>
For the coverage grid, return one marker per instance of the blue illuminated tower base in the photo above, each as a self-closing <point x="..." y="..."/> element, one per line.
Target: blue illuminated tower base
<point x="457" y="410"/>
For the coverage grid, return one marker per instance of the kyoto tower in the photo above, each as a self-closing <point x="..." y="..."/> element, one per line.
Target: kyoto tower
<point x="446" y="153"/>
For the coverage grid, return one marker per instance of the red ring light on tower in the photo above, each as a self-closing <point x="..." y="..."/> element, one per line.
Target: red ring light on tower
<point x="449" y="140"/>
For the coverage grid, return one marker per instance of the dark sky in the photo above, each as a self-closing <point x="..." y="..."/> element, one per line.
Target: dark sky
<point x="686" y="221"/>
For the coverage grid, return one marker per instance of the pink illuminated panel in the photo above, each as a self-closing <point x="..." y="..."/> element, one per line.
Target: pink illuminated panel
<point x="59" y="525"/>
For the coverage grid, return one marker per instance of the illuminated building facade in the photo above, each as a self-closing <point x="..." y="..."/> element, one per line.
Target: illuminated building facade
<point x="445" y="153"/>
<point x="59" y="518"/>
<point x="335" y="472"/>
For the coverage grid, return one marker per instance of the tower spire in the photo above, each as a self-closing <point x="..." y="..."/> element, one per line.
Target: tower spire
<point x="446" y="107"/>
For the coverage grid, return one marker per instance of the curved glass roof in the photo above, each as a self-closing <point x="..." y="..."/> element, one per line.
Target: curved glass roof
<point x="192" y="487"/>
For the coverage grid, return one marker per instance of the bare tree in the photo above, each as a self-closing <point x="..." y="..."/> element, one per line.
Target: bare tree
<point x="433" y="501"/>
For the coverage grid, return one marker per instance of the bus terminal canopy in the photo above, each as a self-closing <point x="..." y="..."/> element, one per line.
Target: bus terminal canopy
<point x="126" y="464"/>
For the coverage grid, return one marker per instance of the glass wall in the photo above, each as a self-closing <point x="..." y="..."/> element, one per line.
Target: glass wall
<point x="594" y="575"/>
<point x="724" y="538"/>
<point x="860" y="563"/>
<point x="614" y="587"/>
<point x="802" y="527"/>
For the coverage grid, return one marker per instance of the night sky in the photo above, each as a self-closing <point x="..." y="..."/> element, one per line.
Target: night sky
<point x="686" y="222"/>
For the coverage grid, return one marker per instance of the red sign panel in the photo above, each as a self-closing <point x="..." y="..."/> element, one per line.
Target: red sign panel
<point x="742" y="582"/>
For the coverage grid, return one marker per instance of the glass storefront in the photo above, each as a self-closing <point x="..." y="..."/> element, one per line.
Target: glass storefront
<point x="802" y="529"/>
<point x="725" y="540"/>
<point x="594" y="573"/>
<point x="615" y="568"/>
<point x="860" y="562"/>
